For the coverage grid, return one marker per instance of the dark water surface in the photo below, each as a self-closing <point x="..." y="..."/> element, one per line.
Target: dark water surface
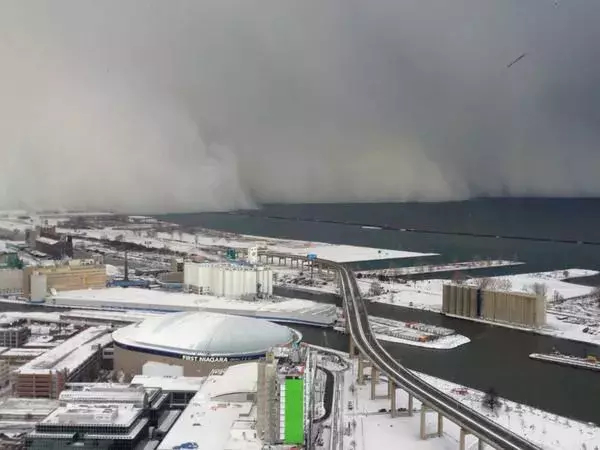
<point x="496" y="357"/>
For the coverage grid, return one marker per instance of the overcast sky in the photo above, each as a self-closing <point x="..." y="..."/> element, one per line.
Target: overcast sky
<point x="155" y="106"/>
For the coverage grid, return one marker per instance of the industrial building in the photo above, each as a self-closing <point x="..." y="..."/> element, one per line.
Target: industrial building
<point x="499" y="306"/>
<point x="228" y="279"/>
<point x="77" y="359"/>
<point x="13" y="332"/>
<point x="284" y="400"/>
<point x="63" y="276"/>
<point x="196" y="341"/>
<point x="48" y="241"/>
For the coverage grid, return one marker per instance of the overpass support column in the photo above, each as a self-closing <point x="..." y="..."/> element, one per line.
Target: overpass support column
<point x="440" y="424"/>
<point x="392" y="394"/>
<point x="363" y="363"/>
<point x="374" y="382"/>
<point x="463" y="438"/>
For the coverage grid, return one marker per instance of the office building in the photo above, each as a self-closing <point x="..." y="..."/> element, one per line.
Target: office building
<point x="13" y="332"/>
<point x="77" y="359"/>
<point x="284" y="397"/>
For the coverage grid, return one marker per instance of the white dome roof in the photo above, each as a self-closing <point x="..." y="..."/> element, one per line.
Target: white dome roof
<point x="204" y="333"/>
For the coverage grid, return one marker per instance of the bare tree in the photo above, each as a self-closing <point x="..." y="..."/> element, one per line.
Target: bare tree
<point x="488" y="284"/>
<point x="557" y="298"/>
<point x="458" y="277"/>
<point x="565" y="274"/>
<point x="503" y="284"/>
<point x="375" y="289"/>
<point x="491" y="399"/>
<point x="539" y="289"/>
<point x="596" y="295"/>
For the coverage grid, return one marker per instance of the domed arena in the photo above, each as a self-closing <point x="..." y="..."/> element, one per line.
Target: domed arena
<point x="197" y="341"/>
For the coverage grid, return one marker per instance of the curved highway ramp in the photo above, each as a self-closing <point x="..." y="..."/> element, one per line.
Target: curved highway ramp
<point x="469" y="420"/>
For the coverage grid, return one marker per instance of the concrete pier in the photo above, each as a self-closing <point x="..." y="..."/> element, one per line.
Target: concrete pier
<point x="462" y="441"/>
<point x="440" y="423"/>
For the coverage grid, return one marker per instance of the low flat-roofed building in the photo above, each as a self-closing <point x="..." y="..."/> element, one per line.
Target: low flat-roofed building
<point x="19" y="415"/>
<point x="77" y="359"/>
<point x="120" y="426"/>
<point x="20" y="356"/>
<point x="151" y="399"/>
<point x="214" y="426"/>
<point x="26" y="409"/>
<point x="221" y="416"/>
<point x="180" y="390"/>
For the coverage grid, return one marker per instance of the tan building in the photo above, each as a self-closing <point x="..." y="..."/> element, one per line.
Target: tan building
<point x="500" y="306"/>
<point x="77" y="359"/>
<point x="64" y="276"/>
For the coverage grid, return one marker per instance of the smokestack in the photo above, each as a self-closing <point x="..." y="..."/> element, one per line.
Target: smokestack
<point x="126" y="268"/>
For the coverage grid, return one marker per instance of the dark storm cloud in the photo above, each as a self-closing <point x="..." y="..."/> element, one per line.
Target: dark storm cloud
<point x="214" y="104"/>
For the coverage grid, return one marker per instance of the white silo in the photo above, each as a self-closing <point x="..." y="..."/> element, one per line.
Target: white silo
<point x="219" y="281"/>
<point x="250" y="281"/>
<point x="267" y="280"/>
<point x="231" y="283"/>
<point x="188" y="267"/>
<point x="39" y="286"/>
<point x="204" y="277"/>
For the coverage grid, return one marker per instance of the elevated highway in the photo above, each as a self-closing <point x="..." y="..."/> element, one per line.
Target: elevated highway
<point x="469" y="420"/>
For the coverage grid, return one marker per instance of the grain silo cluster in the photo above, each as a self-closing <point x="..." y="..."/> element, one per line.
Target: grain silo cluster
<point x="499" y="306"/>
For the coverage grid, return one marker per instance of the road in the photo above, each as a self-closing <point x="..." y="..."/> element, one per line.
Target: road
<point x="358" y="321"/>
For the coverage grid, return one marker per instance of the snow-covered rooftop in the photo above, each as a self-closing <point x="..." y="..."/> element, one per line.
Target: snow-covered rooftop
<point x="214" y="426"/>
<point x="235" y="379"/>
<point x="155" y="300"/>
<point x="169" y="383"/>
<point x="70" y="354"/>
<point x="94" y="415"/>
<point x="32" y="352"/>
<point x="217" y="425"/>
<point x="46" y="240"/>
<point x="20" y="407"/>
<point x="133" y="395"/>
<point x="202" y="333"/>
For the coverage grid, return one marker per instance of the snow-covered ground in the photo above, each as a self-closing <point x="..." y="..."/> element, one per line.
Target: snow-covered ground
<point x="438" y="268"/>
<point x="378" y="430"/>
<point x="201" y="243"/>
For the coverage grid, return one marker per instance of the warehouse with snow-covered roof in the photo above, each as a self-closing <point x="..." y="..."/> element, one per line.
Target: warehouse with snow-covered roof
<point x="197" y="341"/>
